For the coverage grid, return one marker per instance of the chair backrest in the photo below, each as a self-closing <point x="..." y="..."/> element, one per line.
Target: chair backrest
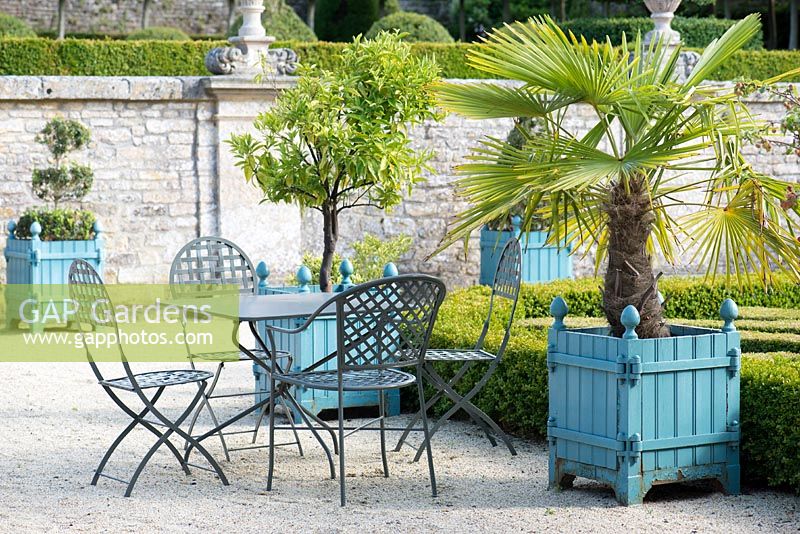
<point x="94" y="309"/>
<point x="387" y="323"/>
<point x="213" y="261"/>
<point x="506" y="285"/>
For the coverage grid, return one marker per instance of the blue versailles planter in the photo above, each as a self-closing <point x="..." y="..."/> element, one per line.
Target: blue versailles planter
<point x="32" y="265"/>
<point x="540" y="262"/>
<point x="312" y="345"/>
<point x="633" y="413"/>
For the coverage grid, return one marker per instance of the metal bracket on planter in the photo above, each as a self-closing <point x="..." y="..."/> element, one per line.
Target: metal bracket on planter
<point x="551" y="423"/>
<point x="550" y="363"/>
<point x="629" y="368"/>
<point x="734" y="427"/>
<point x="736" y="361"/>
<point x="36" y="256"/>
<point x="631" y="447"/>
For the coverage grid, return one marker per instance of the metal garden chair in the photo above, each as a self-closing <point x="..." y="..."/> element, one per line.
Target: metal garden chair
<point x="214" y="261"/>
<point x="88" y="291"/>
<point x="382" y="327"/>
<point x="506" y="285"/>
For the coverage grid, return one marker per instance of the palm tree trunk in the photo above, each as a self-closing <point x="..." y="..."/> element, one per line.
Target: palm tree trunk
<point x="62" y="18"/>
<point x="330" y="231"/>
<point x="629" y="278"/>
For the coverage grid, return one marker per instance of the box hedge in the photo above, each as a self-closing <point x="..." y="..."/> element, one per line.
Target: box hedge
<point x="85" y="57"/>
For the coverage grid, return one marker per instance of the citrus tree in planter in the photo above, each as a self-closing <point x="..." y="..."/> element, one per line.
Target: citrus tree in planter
<point x="44" y="241"/>
<point x="639" y="402"/>
<point x="339" y="140"/>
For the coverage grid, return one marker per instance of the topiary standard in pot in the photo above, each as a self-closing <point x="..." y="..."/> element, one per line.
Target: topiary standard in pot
<point x="44" y="241"/>
<point x="640" y="402"/>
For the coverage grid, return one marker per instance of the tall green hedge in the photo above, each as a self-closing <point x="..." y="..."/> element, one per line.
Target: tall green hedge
<point x="84" y="57"/>
<point x="695" y="32"/>
<point x="341" y="20"/>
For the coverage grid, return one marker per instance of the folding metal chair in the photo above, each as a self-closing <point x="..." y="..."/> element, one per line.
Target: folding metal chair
<point x="87" y="289"/>
<point x="506" y="285"/>
<point x="215" y="261"/>
<point x="382" y="327"/>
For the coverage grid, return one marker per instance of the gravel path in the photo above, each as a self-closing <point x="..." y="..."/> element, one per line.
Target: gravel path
<point x="55" y="424"/>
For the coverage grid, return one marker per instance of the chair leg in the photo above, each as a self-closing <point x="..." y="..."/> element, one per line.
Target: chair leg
<point x="112" y="448"/>
<point x="206" y="402"/>
<point x="258" y="422"/>
<point x="313" y="430"/>
<point x="322" y="424"/>
<point x="426" y="443"/>
<point x="271" y="468"/>
<point x="290" y="416"/>
<point x="433" y="400"/>
<point x="382" y="407"/>
<point x="342" y="475"/>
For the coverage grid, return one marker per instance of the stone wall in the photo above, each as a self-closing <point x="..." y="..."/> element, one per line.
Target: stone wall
<point x="164" y="174"/>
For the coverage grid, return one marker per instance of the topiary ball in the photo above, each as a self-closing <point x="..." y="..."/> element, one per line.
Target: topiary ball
<point x="280" y="21"/>
<point x="14" y="27"/>
<point x="159" y="33"/>
<point x="420" y="28"/>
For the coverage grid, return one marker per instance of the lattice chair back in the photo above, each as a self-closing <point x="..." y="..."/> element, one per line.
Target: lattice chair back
<point x="506" y="285"/>
<point x="210" y="261"/>
<point x="387" y="323"/>
<point x="95" y="313"/>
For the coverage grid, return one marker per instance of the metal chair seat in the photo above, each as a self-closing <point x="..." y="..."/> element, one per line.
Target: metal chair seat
<point x="238" y="356"/>
<point x="458" y="355"/>
<point x="157" y="379"/>
<point x="352" y="380"/>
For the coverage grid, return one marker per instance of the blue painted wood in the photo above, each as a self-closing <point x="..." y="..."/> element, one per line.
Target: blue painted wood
<point x="312" y="345"/>
<point x="540" y="262"/>
<point x="636" y="412"/>
<point x="33" y="265"/>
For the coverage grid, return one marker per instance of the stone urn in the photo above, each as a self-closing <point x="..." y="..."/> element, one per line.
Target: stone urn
<point x="662" y="13"/>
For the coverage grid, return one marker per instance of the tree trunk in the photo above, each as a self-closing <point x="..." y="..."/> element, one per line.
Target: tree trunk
<point x="231" y="13"/>
<point x="311" y="13"/>
<point x="793" y="38"/>
<point x="146" y="14"/>
<point x="462" y="24"/>
<point x="506" y="10"/>
<point x="726" y="9"/>
<point x="629" y="278"/>
<point x="62" y="18"/>
<point x="330" y="230"/>
<point x="772" y="41"/>
<point x="562" y="10"/>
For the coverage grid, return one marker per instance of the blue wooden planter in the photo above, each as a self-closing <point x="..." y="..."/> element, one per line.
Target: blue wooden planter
<point x="633" y="413"/>
<point x="32" y="265"/>
<point x="312" y="345"/>
<point x="540" y="262"/>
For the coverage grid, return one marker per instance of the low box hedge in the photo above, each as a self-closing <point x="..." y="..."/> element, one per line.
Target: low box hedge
<point x="107" y="57"/>
<point x="516" y="396"/>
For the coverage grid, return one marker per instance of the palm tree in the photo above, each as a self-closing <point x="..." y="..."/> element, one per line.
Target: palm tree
<point x="654" y="140"/>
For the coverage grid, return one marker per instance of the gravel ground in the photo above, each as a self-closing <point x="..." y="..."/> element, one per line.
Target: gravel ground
<point x="55" y="424"/>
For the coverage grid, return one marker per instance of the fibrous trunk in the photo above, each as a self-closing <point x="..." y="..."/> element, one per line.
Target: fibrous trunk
<point x="629" y="277"/>
<point x="330" y="230"/>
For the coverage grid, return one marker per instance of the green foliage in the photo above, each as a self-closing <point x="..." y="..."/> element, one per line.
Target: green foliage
<point x="389" y="7"/>
<point x="13" y="27"/>
<point x="339" y="140"/>
<point x="370" y="256"/>
<point x="489" y="13"/>
<point x="159" y="33"/>
<point x="57" y="224"/>
<point x="70" y="181"/>
<point x="281" y="22"/>
<point x="341" y="20"/>
<point x="770" y="411"/>
<point x="420" y="28"/>
<point x="695" y="32"/>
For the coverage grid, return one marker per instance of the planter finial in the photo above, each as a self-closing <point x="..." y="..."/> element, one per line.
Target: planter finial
<point x="304" y="278"/>
<point x="97" y="228"/>
<point x="262" y="272"/>
<point x="36" y="229"/>
<point x="12" y="225"/>
<point x="729" y="311"/>
<point x="346" y="270"/>
<point x="390" y="269"/>
<point x="516" y="225"/>
<point x="630" y="320"/>
<point x="559" y="310"/>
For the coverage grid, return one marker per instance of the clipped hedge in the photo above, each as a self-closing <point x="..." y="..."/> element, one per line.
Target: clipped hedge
<point x="696" y="32"/>
<point x="85" y="57"/>
<point x="420" y="28"/>
<point x="159" y="33"/>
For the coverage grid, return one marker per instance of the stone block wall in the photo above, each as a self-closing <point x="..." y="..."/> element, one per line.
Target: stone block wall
<point x="164" y="175"/>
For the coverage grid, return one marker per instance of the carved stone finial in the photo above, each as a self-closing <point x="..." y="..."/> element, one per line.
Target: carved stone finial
<point x="282" y="61"/>
<point x="559" y="310"/>
<point x="662" y="13"/>
<point x="729" y="311"/>
<point x="304" y="278"/>
<point x="262" y="272"/>
<point x="36" y="229"/>
<point x="630" y="320"/>
<point x="390" y="269"/>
